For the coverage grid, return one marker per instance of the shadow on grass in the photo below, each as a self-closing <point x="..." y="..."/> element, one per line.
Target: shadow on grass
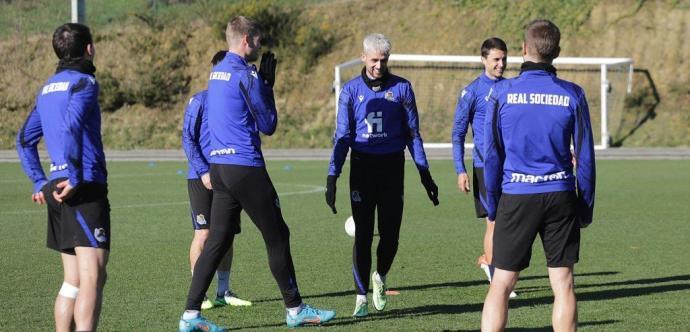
<point x="445" y="309"/>
<point x="548" y="328"/>
<point x="451" y="284"/>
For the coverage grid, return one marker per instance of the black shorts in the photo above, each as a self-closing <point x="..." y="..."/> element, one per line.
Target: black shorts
<point x="200" y="201"/>
<point x="83" y="220"/>
<point x="519" y="218"/>
<point x="479" y="191"/>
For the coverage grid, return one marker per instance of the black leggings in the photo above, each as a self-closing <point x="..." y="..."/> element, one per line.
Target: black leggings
<point x="376" y="185"/>
<point x="237" y="188"/>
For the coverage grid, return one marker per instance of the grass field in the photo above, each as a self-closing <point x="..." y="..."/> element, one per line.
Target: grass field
<point x="634" y="273"/>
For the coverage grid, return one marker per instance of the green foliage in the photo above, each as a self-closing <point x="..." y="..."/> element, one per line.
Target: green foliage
<point x="110" y="97"/>
<point x="159" y="73"/>
<point x="285" y="28"/>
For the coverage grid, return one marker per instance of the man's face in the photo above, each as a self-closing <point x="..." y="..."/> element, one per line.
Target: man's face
<point x="253" y="48"/>
<point x="376" y="63"/>
<point x="494" y="63"/>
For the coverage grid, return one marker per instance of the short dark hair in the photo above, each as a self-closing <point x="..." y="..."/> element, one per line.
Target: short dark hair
<point x="240" y="26"/>
<point x="218" y="57"/>
<point x="493" y="43"/>
<point x="70" y="40"/>
<point x="542" y="38"/>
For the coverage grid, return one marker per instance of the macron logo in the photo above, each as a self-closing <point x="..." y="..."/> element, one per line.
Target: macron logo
<point x="220" y="76"/>
<point x="55" y="87"/>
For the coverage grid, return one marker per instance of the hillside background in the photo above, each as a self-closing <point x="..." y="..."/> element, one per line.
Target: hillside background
<point x="152" y="55"/>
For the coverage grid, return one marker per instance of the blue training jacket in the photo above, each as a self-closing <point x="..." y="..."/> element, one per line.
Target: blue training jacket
<point x="196" y="139"/>
<point x="240" y="106"/>
<point x="377" y="122"/>
<point x="471" y="109"/>
<point x="68" y="116"/>
<point x="529" y="128"/>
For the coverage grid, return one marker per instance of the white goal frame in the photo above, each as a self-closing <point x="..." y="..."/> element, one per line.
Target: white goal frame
<point x="603" y="63"/>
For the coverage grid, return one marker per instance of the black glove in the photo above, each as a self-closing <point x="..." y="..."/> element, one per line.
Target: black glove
<point x="267" y="69"/>
<point x="429" y="185"/>
<point x="330" y="192"/>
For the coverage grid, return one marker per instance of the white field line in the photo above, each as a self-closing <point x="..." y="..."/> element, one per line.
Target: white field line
<point x="310" y="190"/>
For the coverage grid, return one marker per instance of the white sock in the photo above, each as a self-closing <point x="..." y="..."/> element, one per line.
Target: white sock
<point x="361" y="298"/>
<point x="294" y="311"/>
<point x="190" y="314"/>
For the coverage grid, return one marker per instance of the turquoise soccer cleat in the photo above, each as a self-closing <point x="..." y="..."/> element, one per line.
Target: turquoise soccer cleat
<point x="199" y="324"/>
<point x="361" y="308"/>
<point x="309" y="316"/>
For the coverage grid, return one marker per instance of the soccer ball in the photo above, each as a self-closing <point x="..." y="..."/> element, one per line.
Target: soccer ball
<point x="350" y="226"/>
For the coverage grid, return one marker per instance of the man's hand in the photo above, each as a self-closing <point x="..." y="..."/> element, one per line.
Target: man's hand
<point x="267" y="68"/>
<point x="206" y="180"/>
<point x="464" y="182"/>
<point x="330" y="192"/>
<point x="429" y="185"/>
<point x="38" y="198"/>
<point x="64" y="191"/>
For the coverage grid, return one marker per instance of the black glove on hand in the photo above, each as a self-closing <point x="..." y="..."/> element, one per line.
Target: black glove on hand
<point x="429" y="185"/>
<point x="330" y="192"/>
<point x="267" y="69"/>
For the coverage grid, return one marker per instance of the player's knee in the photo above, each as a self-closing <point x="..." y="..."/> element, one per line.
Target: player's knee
<point x="200" y="237"/>
<point x="68" y="290"/>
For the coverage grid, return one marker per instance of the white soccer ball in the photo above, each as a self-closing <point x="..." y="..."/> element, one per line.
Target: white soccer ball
<point x="350" y="226"/>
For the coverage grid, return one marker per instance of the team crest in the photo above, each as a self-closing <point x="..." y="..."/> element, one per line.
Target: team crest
<point x="200" y="219"/>
<point x="389" y="96"/>
<point x="356" y="197"/>
<point x="360" y="98"/>
<point x="99" y="234"/>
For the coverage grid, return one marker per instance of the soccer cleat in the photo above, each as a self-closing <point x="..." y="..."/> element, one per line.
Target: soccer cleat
<point x="199" y="324"/>
<point x="232" y="299"/>
<point x="309" y="315"/>
<point x="379" y="293"/>
<point x="207" y="304"/>
<point x="361" y="308"/>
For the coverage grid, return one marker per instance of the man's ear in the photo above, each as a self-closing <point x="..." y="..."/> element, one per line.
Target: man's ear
<point x="363" y="57"/>
<point x="558" y="52"/>
<point x="90" y="50"/>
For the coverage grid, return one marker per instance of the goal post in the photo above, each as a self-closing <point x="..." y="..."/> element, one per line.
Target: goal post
<point x="448" y="89"/>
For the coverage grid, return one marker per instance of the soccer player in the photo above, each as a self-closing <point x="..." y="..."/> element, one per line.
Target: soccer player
<point x="470" y="111"/>
<point x="377" y="118"/>
<point x="67" y="114"/>
<point x="241" y="105"/>
<point x="196" y="143"/>
<point x="530" y="125"/>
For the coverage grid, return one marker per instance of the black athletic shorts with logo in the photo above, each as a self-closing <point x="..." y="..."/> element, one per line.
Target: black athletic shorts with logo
<point x="479" y="190"/>
<point x="519" y="218"/>
<point x="200" y="200"/>
<point x="83" y="220"/>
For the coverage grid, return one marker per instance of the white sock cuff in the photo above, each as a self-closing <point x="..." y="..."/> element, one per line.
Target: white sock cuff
<point x="68" y="291"/>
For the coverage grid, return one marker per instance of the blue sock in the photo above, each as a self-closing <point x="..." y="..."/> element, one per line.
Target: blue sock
<point x="223" y="282"/>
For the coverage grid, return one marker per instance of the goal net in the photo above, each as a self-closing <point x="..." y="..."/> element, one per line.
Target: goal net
<point x="437" y="80"/>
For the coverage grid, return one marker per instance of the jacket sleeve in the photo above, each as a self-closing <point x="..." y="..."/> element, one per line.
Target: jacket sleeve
<point x="414" y="139"/>
<point x="261" y="102"/>
<point x="463" y="114"/>
<point x="344" y="132"/>
<point x="583" y="144"/>
<point x="83" y="99"/>
<point x="191" y="133"/>
<point x="494" y="156"/>
<point x="27" y="140"/>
